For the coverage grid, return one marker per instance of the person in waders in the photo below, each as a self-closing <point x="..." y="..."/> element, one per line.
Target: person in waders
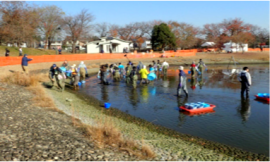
<point x="116" y="74"/>
<point x="82" y="71"/>
<point x="200" y="66"/>
<point x="128" y="71"/>
<point x="133" y="76"/>
<point x="57" y="74"/>
<point x="193" y="69"/>
<point x="165" y="66"/>
<point x="245" y="79"/>
<point x="182" y="82"/>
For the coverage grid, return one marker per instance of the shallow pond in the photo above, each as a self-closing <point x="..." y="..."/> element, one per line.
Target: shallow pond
<point x="235" y="122"/>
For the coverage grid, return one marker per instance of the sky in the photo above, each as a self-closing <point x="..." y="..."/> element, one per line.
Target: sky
<point x="196" y="13"/>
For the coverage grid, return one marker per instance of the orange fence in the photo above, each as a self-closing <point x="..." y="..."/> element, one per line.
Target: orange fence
<point x="4" y="61"/>
<point x="257" y="49"/>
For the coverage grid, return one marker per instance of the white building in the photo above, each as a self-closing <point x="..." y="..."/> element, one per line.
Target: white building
<point x="208" y="44"/>
<point x="54" y="44"/>
<point x="234" y="47"/>
<point x="23" y="45"/>
<point x="146" y="45"/>
<point x="105" y="44"/>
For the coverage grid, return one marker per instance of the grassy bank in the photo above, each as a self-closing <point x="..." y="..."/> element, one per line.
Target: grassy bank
<point x="14" y="51"/>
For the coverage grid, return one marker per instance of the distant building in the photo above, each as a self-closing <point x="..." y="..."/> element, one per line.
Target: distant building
<point x="55" y="44"/>
<point x="146" y="45"/>
<point x="234" y="47"/>
<point x="23" y="45"/>
<point x="115" y="44"/>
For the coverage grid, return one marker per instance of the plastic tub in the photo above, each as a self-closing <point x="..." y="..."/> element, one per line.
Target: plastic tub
<point x="210" y="108"/>
<point x="107" y="105"/>
<point x="262" y="98"/>
<point x="151" y="76"/>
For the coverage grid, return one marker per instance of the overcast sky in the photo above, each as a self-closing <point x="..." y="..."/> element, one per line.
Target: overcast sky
<point x="196" y="13"/>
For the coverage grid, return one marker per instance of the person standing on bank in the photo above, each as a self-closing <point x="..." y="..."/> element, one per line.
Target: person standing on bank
<point x="182" y="82"/>
<point x="7" y="52"/>
<point x="245" y="78"/>
<point x="20" y="51"/>
<point x="25" y="63"/>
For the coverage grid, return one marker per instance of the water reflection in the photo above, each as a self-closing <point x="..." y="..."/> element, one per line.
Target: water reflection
<point x="192" y="83"/>
<point x="166" y="81"/>
<point x="134" y="98"/>
<point x="144" y="93"/>
<point x="245" y="109"/>
<point x="200" y="81"/>
<point x="182" y="116"/>
<point x="104" y="94"/>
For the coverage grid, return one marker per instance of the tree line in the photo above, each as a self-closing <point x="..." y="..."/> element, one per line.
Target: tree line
<point x="21" y="22"/>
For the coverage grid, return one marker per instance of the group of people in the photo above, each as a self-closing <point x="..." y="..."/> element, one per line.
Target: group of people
<point x="74" y="73"/>
<point x="131" y="73"/>
<point x="8" y="52"/>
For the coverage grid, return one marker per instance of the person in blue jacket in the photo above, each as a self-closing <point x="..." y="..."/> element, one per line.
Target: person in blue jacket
<point x="182" y="82"/>
<point x="25" y="63"/>
<point x="57" y="74"/>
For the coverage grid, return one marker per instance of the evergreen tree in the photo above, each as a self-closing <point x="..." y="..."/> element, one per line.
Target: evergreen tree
<point x="162" y="37"/>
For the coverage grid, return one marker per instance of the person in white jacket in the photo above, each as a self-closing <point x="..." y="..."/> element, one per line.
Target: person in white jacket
<point x="165" y="66"/>
<point x="245" y="78"/>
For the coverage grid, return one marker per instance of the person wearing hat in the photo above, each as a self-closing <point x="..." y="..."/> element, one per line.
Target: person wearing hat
<point x="128" y="71"/>
<point x="57" y="74"/>
<point x="25" y="63"/>
<point x="182" y="82"/>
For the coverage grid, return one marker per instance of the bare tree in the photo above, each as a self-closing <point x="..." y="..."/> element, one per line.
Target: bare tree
<point x="102" y="29"/>
<point x="113" y="30"/>
<point x="185" y="34"/>
<point x="78" y="25"/>
<point x="18" y="22"/>
<point x="50" y="22"/>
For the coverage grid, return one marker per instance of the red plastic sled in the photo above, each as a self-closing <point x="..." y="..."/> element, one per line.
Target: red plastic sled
<point x="206" y="109"/>
<point x="262" y="98"/>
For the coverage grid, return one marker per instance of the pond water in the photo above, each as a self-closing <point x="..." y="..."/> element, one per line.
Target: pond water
<point x="242" y="123"/>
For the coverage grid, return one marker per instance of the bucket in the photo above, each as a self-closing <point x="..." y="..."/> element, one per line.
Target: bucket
<point x="83" y="81"/>
<point x="107" y="105"/>
<point x="189" y="72"/>
<point x="79" y="83"/>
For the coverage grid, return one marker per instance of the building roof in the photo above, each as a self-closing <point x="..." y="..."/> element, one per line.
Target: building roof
<point x="107" y="40"/>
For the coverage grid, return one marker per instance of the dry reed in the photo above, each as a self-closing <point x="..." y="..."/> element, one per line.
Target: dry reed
<point x="106" y="134"/>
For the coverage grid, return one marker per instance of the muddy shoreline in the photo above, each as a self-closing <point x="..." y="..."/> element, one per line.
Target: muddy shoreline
<point x="217" y="148"/>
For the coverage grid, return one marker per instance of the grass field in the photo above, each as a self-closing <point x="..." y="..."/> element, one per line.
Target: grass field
<point x="14" y="51"/>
